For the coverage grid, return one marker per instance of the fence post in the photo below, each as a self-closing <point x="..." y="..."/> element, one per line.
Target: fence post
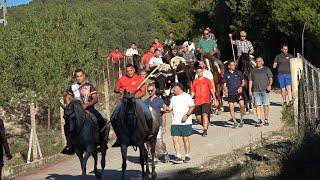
<point x="314" y="92"/>
<point x="64" y="141"/>
<point x="296" y="67"/>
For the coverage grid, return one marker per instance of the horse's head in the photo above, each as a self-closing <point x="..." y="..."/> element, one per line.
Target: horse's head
<point x="136" y="59"/>
<point x="74" y="113"/>
<point x="167" y="54"/>
<point x="128" y="102"/>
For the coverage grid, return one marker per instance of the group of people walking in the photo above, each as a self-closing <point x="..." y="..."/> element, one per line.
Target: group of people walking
<point x="202" y="95"/>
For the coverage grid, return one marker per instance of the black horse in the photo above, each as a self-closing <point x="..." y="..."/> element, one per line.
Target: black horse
<point x="83" y="129"/>
<point x="130" y="132"/>
<point x="245" y="66"/>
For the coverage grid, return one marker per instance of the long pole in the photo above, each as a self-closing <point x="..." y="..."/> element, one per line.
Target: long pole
<point x="148" y="77"/>
<point x="302" y="38"/>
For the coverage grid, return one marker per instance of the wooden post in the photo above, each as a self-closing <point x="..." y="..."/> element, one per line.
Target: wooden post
<point x="63" y="137"/>
<point x="33" y="126"/>
<point x="30" y="146"/>
<point x="106" y="94"/>
<point x="49" y="118"/>
<point x="296" y="68"/>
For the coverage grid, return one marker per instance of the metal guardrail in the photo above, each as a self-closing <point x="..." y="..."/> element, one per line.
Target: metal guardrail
<point x="309" y="99"/>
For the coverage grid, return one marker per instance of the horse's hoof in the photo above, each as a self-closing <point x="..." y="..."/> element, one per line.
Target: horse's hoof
<point x="154" y="175"/>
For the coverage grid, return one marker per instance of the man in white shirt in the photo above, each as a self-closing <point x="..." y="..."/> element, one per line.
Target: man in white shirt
<point x="156" y="60"/>
<point x="182" y="106"/>
<point x="133" y="50"/>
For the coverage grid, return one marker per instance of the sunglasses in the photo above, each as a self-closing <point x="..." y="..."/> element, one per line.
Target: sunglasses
<point x="243" y="36"/>
<point x="206" y="33"/>
<point x="150" y="90"/>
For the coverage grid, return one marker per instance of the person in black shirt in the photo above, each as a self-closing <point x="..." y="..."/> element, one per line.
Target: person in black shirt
<point x="233" y="89"/>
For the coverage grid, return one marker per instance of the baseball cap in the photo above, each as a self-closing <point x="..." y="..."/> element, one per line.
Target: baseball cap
<point x="243" y="33"/>
<point x="179" y="85"/>
<point x="185" y="44"/>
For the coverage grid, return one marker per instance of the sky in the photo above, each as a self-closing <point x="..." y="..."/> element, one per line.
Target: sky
<point x="11" y="3"/>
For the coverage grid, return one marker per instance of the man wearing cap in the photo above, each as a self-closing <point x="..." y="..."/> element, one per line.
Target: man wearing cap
<point x="186" y="53"/>
<point x="207" y="45"/>
<point x="243" y="45"/>
<point x="181" y="106"/>
<point x="282" y="63"/>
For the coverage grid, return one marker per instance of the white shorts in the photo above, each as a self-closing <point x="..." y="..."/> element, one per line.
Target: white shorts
<point x="159" y="135"/>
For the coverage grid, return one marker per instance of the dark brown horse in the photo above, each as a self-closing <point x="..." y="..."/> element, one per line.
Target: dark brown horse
<point x="167" y="54"/>
<point x="217" y="68"/>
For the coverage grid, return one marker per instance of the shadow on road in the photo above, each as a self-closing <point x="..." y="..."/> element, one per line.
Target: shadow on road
<point x="108" y="174"/>
<point x="229" y="123"/>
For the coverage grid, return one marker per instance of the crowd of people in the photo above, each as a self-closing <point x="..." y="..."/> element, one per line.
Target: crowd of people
<point x="200" y="99"/>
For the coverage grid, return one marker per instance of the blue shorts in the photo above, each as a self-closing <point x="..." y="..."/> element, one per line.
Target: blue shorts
<point x="284" y="80"/>
<point x="261" y="98"/>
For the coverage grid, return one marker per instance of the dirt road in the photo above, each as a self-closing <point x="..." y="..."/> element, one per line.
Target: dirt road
<point x="222" y="138"/>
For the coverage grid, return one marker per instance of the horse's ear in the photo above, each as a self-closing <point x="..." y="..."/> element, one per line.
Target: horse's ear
<point x="125" y="91"/>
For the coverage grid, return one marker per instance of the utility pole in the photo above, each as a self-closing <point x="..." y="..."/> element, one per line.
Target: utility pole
<point x="3" y="7"/>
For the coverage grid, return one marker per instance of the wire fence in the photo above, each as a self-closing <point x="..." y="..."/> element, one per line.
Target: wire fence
<point x="309" y="99"/>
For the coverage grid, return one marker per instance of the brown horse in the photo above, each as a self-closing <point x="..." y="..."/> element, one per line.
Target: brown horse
<point x="167" y="54"/>
<point x="217" y="68"/>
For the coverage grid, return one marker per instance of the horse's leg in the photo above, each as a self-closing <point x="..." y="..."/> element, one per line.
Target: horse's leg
<point x="124" y="149"/>
<point x="143" y="159"/>
<point x="84" y="163"/>
<point x="79" y="154"/>
<point x="153" y="150"/>
<point x="103" y="160"/>
<point x="95" y="169"/>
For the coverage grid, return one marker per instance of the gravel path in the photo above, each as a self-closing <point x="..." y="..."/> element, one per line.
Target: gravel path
<point x="221" y="139"/>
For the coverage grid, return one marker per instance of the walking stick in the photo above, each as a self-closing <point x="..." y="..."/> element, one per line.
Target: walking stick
<point x="148" y="77"/>
<point x="234" y="56"/>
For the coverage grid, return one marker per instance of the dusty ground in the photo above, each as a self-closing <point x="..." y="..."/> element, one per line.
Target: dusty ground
<point x="262" y="159"/>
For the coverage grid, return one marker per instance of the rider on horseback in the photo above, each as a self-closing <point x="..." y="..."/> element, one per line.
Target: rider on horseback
<point x="244" y="47"/>
<point x="85" y="91"/>
<point x="207" y="45"/>
<point x="130" y="83"/>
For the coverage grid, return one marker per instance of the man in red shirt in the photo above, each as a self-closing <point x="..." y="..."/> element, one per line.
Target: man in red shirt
<point x="130" y="83"/>
<point x="201" y="89"/>
<point x="157" y="44"/>
<point x="147" y="56"/>
<point x="115" y="56"/>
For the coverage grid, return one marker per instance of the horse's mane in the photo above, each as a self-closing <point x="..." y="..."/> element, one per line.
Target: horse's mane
<point x="78" y="109"/>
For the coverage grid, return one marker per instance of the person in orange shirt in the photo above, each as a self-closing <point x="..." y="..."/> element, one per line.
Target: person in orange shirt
<point x="146" y="57"/>
<point x="130" y="83"/>
<point x="157" y="44"/>
<point x="115" y="56"/>
<point x="201" y="89"/>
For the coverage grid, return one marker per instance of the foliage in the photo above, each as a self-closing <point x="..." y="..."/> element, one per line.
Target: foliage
<point x="288" y="114"/>
<point x="46" y="40"/>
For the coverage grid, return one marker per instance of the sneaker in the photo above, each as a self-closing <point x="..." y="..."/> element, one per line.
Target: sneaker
<point x="260" y="123"/>
<point x="235" y="124"/>
<point x="241" y="123"/>
<point x="205" y="133"/>
<point x="266" y="122"/>
<point x="187" y="159"/>
<point x="177" y="160"/>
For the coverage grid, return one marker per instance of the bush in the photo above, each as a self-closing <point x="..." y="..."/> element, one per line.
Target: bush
<point x="288" y="114"/>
